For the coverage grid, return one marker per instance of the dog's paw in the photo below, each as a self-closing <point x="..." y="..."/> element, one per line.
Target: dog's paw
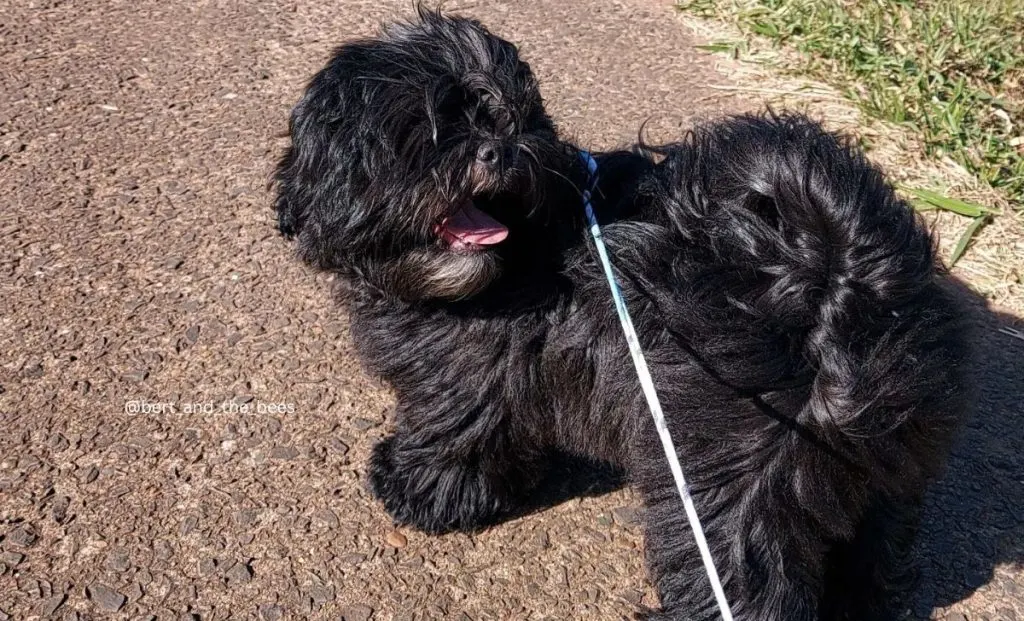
<point x="434" y="499"/>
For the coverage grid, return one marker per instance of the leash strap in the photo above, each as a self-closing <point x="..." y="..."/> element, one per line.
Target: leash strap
<point x="647" y="385"/>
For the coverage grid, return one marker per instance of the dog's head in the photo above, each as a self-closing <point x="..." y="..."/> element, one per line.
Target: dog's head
<point x="417" y="159"/>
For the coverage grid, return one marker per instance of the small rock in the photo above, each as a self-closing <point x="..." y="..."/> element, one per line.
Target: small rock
<point x="327" y="518"/>
<point x="118" y="562"/>
<point x="396" y="539"/>
<point x="353" y="559"/>
<point x="321" y="594"/>
<point x="173" y="263"/>
<point x="50" y="605"/>
<point x="188" y="525"/>
<point x="90" y="474"/>
<point x="11" y="558"/>
<point x="57" y="440"/>
<point x="284" y="452"/>
<point x="604" y="520"/>
<point x="59" y="510"/>
<point x="356" y="612"/>
<point x="174" y="187"/>
<point x="207" y="566"/>
<point x="364" y="424"/>
<point x="541" y="539"/>
<point x="240" y="573"/>
<point x="632" y="596"/>
<point x="105" y="597"/>
<point x="23" y="536"/>
<point x="136" y="375"/>
<point x="34" y="370"/>
<point x="626" y="516"/>
<point x="270" y="613"/>
<point x="192" y="334"/>
<point x="339" y="447"/>
<point x="135" y="592"/>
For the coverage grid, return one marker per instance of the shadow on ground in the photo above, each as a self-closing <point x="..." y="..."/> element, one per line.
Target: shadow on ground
<point x="974" y="516"/>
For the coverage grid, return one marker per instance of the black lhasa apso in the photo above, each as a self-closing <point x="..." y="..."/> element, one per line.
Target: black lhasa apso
<point x="807" y="354"/>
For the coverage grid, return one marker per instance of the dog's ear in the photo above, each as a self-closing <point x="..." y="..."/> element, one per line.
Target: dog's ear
<point x="297" y="168"/>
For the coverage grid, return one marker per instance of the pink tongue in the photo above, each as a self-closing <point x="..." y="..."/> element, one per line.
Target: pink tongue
<point x="471" y="225"/>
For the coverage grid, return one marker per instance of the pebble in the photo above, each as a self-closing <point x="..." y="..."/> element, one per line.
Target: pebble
<point x="50" y="605"/>
<point x="59" y="510"/>
<point x="270" y="613"/>
<point x="207" y="566"/>
<point x="339" y="447"/>
<point x="11" y="558"/>
<point x="542" y="539"/>
<point x="396" y="539"/>
<point x="118" y="562"/>
<point x="105" y="597"/>
<point x="321" y="594"/>
<point x="23" y="536"/>
<point x="136" y="375"/>
<point x="135" y="592"/>
<point x="188" y="525"/>
<point x="327" y="518"/>
<point x="626" y="516"/>
<point x="240" y="573"/>
<point x="90" y="475"/>
<point x="284" y="452"/>
<point x="364" y="424"/>
<point x="356" y="612"/>
<point x="353" y="559"/>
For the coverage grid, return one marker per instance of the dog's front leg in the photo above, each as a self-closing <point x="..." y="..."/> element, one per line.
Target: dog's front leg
<point x="454" y="471"/>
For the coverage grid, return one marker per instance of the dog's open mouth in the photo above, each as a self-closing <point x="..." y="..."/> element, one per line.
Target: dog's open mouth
<point x="470" y="229"/>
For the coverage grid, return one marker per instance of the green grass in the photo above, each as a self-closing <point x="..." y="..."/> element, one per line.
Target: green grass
<point x="952" y="71"/>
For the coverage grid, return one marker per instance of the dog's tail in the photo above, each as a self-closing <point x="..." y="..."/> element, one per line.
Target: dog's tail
<point x="808" y="271"/>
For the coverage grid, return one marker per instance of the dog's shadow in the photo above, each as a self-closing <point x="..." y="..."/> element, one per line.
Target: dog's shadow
<point x="568" y="477"/>
<point x="974" y="516"/>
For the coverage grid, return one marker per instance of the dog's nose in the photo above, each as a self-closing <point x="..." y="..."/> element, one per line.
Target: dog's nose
<point x="489" y="153"/>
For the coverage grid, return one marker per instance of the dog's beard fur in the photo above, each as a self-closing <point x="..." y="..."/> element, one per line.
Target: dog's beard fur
<point x="387" y="143"/>
<point x="810" y="364"/>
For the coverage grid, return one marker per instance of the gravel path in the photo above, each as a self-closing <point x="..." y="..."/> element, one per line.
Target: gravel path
<point x="140" y="271"/>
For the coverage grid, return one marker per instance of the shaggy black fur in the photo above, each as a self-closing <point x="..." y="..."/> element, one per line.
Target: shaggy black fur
<point x="807" y="355"/>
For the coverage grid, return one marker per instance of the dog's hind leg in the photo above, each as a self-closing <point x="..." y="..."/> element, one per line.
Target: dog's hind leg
<point x="764" y="576"/>
<point x="445" y="471"/>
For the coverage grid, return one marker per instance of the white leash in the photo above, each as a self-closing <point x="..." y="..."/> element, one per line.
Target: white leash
<point x="647" y="385"/>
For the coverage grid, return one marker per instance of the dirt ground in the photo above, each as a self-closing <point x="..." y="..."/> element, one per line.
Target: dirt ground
<point x="139" y="267"/>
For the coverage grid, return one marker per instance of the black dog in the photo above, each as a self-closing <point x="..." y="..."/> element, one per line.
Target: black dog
<point x="807" y="355"/>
